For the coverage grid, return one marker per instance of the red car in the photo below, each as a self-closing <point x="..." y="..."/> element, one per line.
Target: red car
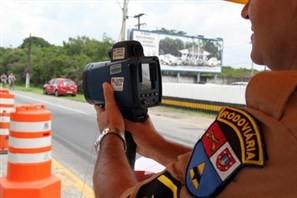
<point x="60" y="86"/>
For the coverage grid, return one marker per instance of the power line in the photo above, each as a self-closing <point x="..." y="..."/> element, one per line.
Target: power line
<point x="138" y="18"/>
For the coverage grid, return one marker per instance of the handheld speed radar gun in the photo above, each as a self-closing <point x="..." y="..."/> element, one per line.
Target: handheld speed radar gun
<point x="135" y="78"/>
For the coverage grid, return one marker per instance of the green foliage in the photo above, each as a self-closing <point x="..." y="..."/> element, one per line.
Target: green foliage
<point x="48" y="61"/>
<point x="35" y="41"/>
<point x="30" y="89"/>
<point x="164" y="30"/>
<point x="11" y="59"/>
<point x="228" y="71"/>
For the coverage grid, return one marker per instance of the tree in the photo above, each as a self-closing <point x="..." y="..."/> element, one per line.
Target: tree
<point x="12" y="60"/>
<point x="170" y="46"/>
<point x="214" y="47"/>
<point x="164" y="30"/>
<point x="92" y="48"/>
<point x="35" y="41"/>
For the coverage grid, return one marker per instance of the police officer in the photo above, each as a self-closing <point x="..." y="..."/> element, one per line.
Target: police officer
<point x="250" y="152"/>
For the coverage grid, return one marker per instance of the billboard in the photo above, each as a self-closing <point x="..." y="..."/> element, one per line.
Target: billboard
<point x="180" y="52"/>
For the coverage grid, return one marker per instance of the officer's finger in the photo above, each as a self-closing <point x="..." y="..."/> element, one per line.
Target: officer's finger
<point x="108" y="95"/>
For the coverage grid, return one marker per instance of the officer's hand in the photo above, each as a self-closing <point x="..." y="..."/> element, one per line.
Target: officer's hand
<point x="109" y="116"/>
<point x="145" y="136"/>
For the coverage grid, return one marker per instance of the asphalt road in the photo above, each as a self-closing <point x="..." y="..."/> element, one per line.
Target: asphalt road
<point x="74" y="123"/>
<point x="74" y="129"/>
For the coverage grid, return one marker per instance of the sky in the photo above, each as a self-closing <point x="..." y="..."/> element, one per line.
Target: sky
<point x="58" y="20"/>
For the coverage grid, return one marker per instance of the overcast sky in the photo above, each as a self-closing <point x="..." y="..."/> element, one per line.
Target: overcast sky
<point x="57" y="20"/>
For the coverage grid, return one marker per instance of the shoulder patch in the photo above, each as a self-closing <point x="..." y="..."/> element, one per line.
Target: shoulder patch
<point x="165" y="185"/>
<point x="232" y="141"/>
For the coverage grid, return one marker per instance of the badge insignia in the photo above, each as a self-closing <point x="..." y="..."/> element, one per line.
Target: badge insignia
<point x="225" y="160"/>
<point x="232" y="142"/>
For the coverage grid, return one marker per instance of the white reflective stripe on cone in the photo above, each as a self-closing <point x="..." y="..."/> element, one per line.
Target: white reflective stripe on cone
<point x="6" y="101"/>
<point x="4" y="118"/>
<point x="29" y="158"/>
<point x="30" y="142"/>
<point x="4" y="131"/>
<point x="30" y="127"/>
<point x="6" y="109"/>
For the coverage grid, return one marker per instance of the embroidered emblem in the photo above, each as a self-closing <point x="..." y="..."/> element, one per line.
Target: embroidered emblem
<point x="233" y="141"/>
<point x="214" y="141"/>
<point x="196" y="173"/>
<point x="225" y="160"/>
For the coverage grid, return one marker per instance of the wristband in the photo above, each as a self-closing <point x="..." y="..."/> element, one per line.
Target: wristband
<point x="108" y="131"/>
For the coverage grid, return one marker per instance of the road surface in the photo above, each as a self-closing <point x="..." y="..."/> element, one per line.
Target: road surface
<point x="74" y="129"/>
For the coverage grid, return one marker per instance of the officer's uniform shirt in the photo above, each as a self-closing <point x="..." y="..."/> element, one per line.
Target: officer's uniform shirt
<point x="255" y="165"/>
<point x="272" y="99"/>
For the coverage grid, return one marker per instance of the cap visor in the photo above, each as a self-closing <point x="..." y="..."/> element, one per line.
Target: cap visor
<point x="238" y="1"/>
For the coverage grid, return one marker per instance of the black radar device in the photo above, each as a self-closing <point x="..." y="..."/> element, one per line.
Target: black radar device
<point x="135" y="78"/>
<point x="136" y="81"/>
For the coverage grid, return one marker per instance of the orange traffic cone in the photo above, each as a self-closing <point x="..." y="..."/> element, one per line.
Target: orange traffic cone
<point x="29" y="155"/>
<point x="4" y="132"/>
<point x="6" y="100"/>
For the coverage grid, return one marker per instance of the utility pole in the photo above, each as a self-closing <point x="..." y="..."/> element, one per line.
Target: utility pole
<point x="29" y="63"/>
<point x="124" y="19"/>
<point x="138" y="18"/>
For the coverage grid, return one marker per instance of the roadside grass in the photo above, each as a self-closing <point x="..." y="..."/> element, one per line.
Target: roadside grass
<point x="78" y="97"/>
<point x="30" y="89"/>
